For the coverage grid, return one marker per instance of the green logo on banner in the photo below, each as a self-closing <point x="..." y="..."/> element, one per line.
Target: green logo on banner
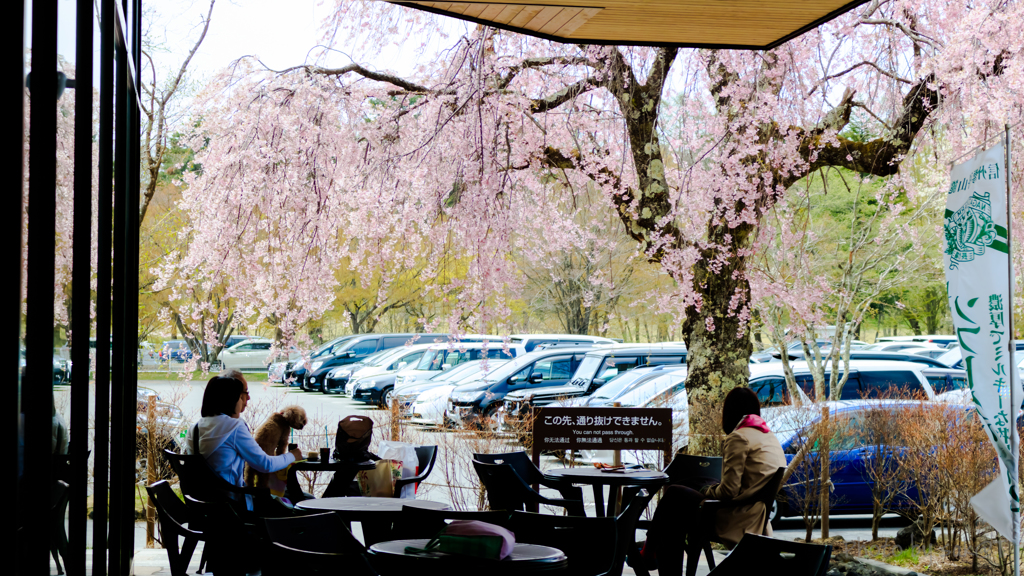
<point x="969" y="230"/>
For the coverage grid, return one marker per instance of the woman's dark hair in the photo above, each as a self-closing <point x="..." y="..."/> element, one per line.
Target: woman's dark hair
<point x="738" y="403"/>
<point x="221" y="396"/>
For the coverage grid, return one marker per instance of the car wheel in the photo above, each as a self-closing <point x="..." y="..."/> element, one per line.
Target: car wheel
<point x="385" y="397"/>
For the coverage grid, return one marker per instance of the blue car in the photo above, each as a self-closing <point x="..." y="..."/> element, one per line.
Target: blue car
<point x="853" y="455"/>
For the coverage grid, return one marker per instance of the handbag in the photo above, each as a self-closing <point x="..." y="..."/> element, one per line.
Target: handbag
<point x="380" y="482"/>
<point x="471" y="538"/>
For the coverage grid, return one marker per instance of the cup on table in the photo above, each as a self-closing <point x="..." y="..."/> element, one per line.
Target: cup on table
<point x="325" y="454"/>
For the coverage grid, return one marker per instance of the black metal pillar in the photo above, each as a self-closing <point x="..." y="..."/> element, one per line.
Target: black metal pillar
<point x="81" y="289"/>
<point x="11" y="139"/>
<point x="105" y="174"/>
<point x="37" y="393"/>
<point x="125" y="286"/>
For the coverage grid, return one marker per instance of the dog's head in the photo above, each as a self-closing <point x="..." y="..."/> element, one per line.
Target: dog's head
<point x="295" y="416"/>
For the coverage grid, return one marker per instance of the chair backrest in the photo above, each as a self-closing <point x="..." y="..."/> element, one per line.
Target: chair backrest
<point x="768" y="493"/>
<point x="688" y="466"/>
<point x="416" y="522"/>
<point x="325" y="533"/>
<point x="196" y="478"/>
<point x="426" y="455"/>
<point x="589" y="543"/>
<point x="506" y="490"/>
<point x="763" y="555"/>
<point x="519" y="461"/>
<point x="168" y="505"/>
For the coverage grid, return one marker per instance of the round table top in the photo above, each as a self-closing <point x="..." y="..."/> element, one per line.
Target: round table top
<point x="584" y="475"/>
<point x="523" y="556"/>
<point x="368" y="504"/>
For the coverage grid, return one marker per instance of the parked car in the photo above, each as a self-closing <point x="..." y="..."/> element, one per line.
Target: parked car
<point x="932" y="353"/>
<point x="851" y="457"/>
<point x="901" y="346"/>
<point x="426" y="402"/>
<point x="61" y="370"/>
<point x="598" y="367"/>
<point x="177" y="350"/>
<point x="938" y="339"/>
<point x="354" y="350"/>
<point x="906" y="356"/>
<point x="439" y="357"/>
<point x="768" y="354"/>
<point x="618" y="385"/>
<point x="870" y="379"/>
<point x="248" y="354"/>
<point x="295" y="374"/>
<point x="388" y="360"/>
<point x="954" y="356"/>
<point x="531" y="341"/>
<point x="478" y="402"/>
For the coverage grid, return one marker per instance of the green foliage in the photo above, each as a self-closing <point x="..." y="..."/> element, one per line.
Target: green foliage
<point x="178" y="160"/>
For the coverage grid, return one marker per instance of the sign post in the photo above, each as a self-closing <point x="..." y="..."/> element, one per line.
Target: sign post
<point x="613" y="429"/>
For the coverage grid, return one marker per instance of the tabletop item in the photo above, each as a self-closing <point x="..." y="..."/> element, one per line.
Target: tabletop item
<point x="343" y="467"/>
<point x="353" y="438"/>
<point x="471" y="538"/>
<point x="292" y="447"/>
<point x="325" y="454"/>
<point x="312" y="456"/>
<point x="392" y="557"/>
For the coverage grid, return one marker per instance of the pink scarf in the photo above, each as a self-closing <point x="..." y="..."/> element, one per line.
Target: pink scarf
<point x="753" y="421"/>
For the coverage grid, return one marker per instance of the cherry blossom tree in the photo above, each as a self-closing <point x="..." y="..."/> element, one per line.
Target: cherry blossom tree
<point x="308" y="166"/>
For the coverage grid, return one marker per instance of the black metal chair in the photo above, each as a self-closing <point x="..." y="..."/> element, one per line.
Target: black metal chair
<point x="199" y="481"/>
<point x="634" y="501"/>
<point x="762" y="555"/>
<point x="417" y="523"/>
<point x="59" y="496"/>
<point x="175" y="520"/>
<point x="229" y="540"/>
<point x="426" y="456"/>
<point x="318" y="543"/>
<point x="706" y="515"/>
<point x="528" y="471"/>
<point x="590" y="544"/>
<point x="506" y="490"/>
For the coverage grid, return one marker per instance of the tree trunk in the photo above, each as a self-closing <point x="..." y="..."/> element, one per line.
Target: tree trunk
<point x="717" y="339"/>
<point x="824" y="456"/>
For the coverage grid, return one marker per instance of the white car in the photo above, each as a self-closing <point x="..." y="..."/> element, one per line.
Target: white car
<point x="342" y="378"/>
<point x="443" y="356"/>
<point x="909" y="347"/>
<point x="248" y="355"/>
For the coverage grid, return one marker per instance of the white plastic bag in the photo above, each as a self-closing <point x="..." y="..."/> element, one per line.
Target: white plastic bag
<point x="405" y="453"/>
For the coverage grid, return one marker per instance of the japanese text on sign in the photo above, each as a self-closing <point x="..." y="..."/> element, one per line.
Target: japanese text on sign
<point x="604" y="428"/>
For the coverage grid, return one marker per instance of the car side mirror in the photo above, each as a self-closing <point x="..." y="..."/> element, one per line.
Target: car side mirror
<point x="402" y="365"/>
<point x="536" y="378"/>
<point x="445" y="366"/>
<point x="349" y="354"/>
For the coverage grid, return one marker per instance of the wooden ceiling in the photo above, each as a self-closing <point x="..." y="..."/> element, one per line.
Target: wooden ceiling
<point x="742" y="24"/>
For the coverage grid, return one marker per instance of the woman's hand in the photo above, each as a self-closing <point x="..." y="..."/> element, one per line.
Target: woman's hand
<point x="297" y="453"/>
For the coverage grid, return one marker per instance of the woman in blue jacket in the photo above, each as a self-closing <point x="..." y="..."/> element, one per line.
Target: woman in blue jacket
<point x="224" y="439"/>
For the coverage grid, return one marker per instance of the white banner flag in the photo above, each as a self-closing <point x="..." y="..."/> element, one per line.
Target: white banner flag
<point x="977" y="284"/>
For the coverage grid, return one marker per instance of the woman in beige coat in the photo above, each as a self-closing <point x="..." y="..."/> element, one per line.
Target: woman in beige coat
<point x="751" y="456"/>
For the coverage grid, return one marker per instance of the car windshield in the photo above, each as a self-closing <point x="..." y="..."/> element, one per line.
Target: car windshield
<point x="511" y="367"/>
<point x="645" y="391"/>
<point x="385" y="357"/>
<point x="952" y="357"/>
<point x="325" y="348"/>
<point x="617" y="385"/>
<point x="588" y="368"/>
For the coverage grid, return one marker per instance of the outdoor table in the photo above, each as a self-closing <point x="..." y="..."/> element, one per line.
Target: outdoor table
<point x="375" y="515"/>
<point x="598" y="479"/>
<point x="391" y="558"/>
<point x="295" y="491"/>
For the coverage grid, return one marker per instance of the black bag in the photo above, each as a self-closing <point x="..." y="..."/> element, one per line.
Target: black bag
<point x="352" y="442"/>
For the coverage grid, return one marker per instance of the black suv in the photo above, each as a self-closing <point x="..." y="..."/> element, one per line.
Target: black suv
<point x="354" y="350"/>
<point x="477" y="402"/>
<point x="295" y="374"/>
<point x="598" y="367"/>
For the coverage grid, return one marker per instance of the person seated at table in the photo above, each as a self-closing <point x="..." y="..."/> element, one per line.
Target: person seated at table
<point x="225" y="440"/>
<point x="751" y="456"/>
